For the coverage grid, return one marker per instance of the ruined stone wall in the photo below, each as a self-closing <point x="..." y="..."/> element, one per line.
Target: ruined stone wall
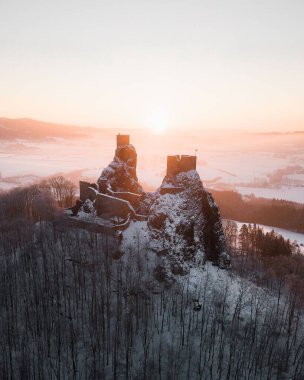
<point x="92" y="193"/>
<point x="83" y="189"/>
<point x="108" y="206"/>
<point x="170" y="189"/>
<point x="102" y="185"/>
<point x="87" y="191"/>
<point x="122" y="140"/>
<point x="133" y="198"/>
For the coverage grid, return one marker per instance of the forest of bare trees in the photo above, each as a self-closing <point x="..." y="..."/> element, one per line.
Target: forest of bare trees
<point x="69" y="310"/>
<point x="40" y="201"/>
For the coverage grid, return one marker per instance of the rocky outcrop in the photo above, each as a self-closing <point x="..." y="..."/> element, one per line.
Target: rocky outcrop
<point x="184" y="222"/>
<point x="213" y="233"/>
<point x="117" y="195"/>
<point x="185" y="225"/>
<point x="120" y="174"/>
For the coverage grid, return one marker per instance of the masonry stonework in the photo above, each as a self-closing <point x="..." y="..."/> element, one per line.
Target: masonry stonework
<point x="187" y="163"/>
<point x="108" y="206"/>
<point x="87" y="191"/>
<point x="177" y="164"/>
<point x="83" y="189"/>
<point x="117" y="192"/>
<point x="172" y="165"/>
<point x="134" y="199"/>
<point x="122" y="140"/>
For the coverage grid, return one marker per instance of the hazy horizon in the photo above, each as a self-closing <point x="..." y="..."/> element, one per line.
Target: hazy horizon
<point x="161" y="65"/>
<point x="259" y="163"/>
<point x="168" y="130"/>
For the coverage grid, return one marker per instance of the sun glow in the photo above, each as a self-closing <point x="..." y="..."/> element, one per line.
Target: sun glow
<point x="157" y="123"/>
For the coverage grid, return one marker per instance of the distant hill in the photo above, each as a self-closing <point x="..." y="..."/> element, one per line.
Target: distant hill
<point x="276" y="133"/>
<point x="30" y="129"/>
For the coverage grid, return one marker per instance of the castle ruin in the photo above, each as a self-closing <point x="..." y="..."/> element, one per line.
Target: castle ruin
<point x="117" y="194"/>
<point x="181" y="210"/>
<point x="107" y="202"/>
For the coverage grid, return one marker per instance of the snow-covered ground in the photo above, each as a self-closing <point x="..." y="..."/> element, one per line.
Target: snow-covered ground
<point x="136" y="232"/>
<point x="294" y="194"/>
<point x="224" y="160"/>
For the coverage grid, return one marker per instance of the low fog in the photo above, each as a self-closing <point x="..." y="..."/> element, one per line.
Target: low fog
<point x="265" y="164"/>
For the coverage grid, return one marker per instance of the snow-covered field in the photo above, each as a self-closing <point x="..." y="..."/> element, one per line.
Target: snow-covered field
<point x="289" y="193"/>
<point x="225" y="160"/>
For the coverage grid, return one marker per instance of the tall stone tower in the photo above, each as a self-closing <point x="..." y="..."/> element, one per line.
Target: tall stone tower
<point x="122" y="140"/>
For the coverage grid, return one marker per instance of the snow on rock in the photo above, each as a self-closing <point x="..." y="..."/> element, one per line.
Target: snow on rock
<point x="185" y="227"/>
<point x="136" y="235"/>
<point x="88" y="207"/>
<point x="120" y="174"/>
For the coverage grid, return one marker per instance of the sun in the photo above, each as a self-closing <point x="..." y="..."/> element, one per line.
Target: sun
<point x="157" y="122"/>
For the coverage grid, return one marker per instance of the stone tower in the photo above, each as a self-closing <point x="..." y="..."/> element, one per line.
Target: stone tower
<point x="122" y="140"/>
<point x="178" y="164"/>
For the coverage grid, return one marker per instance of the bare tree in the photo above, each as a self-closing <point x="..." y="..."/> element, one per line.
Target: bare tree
<point x="63" y="190"/>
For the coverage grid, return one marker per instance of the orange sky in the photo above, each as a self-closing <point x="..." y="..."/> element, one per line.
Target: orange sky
<point x="158" y="65"/>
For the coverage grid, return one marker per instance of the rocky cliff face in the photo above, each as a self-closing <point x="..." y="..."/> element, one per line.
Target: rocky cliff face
<point x="120" y="174"/>
<point x="185" y="225"/>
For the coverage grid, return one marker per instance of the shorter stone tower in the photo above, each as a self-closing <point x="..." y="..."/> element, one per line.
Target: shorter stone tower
<point x="178" y="164"/>
<point x="122" y="140"/>
<point x="187" y="163"/>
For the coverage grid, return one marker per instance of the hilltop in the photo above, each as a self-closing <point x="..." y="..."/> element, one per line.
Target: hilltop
<point x="30" y="129"/>
<point x="181" y="216"/>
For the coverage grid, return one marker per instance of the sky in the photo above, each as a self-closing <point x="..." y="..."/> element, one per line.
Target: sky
<point x="154" y="64"/>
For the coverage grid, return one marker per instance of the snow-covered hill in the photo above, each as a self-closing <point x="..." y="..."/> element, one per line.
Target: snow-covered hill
<point x="71" y="308"/>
